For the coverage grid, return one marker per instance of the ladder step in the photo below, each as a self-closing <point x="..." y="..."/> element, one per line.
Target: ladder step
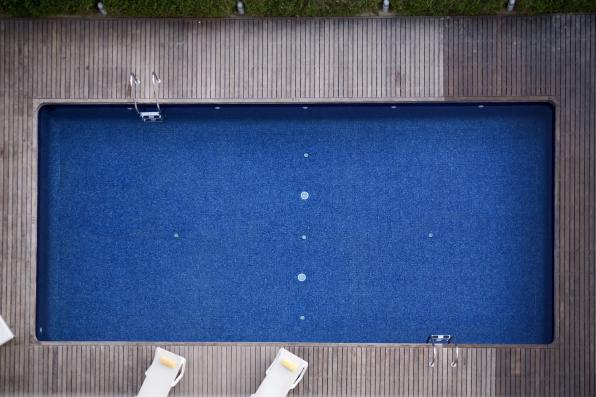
<point x="151" y="116"/>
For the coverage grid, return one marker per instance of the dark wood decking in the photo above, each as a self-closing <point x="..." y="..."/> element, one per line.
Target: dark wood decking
<point x="305" y="60"/>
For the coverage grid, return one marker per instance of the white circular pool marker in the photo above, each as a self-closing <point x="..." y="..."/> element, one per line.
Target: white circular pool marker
<point x="301" y="277"/>
<point x="304" y="195"/>
<point x="306" y="155"/>
<point x="303" y="237"/>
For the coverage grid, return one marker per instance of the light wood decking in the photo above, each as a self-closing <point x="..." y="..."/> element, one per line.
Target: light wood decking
<point x="514" y="58"/>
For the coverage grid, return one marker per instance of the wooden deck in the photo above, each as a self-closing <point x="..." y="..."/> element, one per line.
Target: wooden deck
<point x="368" y="59"/>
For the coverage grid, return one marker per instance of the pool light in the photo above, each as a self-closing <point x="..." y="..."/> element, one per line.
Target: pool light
<point x="240" y="7"/>
<point x="385" y="6"/>
<point x="101" y="8"/>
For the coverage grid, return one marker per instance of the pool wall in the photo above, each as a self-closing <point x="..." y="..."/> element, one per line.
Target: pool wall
<point x="505" y="58"/>
<point x="371" y="223"/>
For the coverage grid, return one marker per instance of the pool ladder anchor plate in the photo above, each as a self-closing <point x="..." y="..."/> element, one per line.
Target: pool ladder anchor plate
<point x="151" y="116"/>
<point x="440" y="340"/>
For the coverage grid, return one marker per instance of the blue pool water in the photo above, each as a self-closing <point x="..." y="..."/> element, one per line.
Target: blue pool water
<point x="420" y="219"/>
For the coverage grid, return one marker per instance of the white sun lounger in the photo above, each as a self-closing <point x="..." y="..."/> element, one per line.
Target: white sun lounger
<point x="165" y="372"/>
<point x="5" y="332"/>
<point x="283" y="375"/>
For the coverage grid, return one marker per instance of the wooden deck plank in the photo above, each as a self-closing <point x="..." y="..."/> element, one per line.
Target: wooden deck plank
<point x="294" y="60"/>
<point x="562" y="42"/>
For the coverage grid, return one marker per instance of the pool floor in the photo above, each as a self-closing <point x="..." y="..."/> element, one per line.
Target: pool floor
<point x="263" y="223"/>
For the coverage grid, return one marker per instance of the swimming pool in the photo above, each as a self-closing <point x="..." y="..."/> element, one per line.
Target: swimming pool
<point x="322" y="223"/>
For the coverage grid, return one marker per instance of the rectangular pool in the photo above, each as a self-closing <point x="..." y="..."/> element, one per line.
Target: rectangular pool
<point x="322" y="223"/>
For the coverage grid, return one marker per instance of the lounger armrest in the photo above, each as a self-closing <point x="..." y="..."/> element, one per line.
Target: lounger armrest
<point x="299" y="378"/>
<point x="180" y="375"/>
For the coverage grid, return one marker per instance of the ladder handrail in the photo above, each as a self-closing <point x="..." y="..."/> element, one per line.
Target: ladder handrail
<point x="156" y="81"/>
<point x="134" y="82"/>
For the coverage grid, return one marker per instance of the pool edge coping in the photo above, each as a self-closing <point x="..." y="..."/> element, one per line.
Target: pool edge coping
<point x="38" y="103"/>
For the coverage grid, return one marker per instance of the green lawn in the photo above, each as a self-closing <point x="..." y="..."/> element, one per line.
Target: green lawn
<point x="288" y="8"/>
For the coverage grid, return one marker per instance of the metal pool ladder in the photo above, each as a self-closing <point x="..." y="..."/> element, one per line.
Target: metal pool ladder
<point x="440" y="340"/>
<point x="152" y="116"/>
